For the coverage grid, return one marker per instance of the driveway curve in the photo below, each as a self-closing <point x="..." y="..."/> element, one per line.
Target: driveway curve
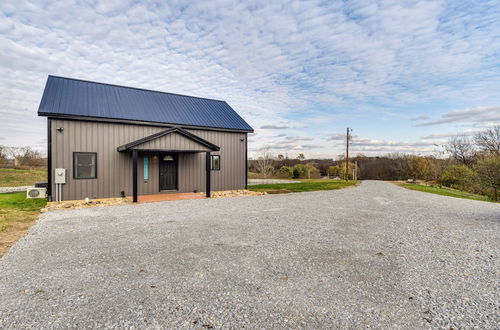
<point x="375" y="255"/>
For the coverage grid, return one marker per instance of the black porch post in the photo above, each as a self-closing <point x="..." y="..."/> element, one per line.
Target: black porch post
<point x="208" y="174"/>
<point x="134" y="175"/>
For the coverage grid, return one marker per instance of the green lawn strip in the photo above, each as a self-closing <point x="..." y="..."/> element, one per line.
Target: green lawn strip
<point x="446" y="192"/>
<point x="305" y="185"/>
<point x="11" y="177"/>
<point x="15" y="207"/>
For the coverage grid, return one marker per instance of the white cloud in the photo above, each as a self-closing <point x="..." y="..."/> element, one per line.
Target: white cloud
<point x="279" y="65"/>
<point x="274" y="127"/>
<point x="467" y="132"/>
<point x="420" y="117"/>
<point x="479" y="115"/>
<point x="337" y="137"/>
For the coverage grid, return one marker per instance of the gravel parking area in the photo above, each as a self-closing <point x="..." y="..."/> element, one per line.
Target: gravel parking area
<point x="376" y="256"/>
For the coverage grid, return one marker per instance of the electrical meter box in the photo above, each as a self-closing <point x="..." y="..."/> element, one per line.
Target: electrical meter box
<point x="60" y="176"/>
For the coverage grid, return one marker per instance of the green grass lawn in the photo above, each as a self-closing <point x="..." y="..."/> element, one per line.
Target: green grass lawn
<point x="303" y="185"/>
<point x="11" y="177"/>
<point x="446" y="192"/>
<point x="17" y="214"/>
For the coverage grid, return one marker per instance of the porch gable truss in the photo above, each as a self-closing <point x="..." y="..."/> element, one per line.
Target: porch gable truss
<point x="171" y="139"/>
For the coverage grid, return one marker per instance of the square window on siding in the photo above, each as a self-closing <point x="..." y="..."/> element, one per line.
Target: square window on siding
<point x="215" y="162"/>
<point x="85" y="165"/>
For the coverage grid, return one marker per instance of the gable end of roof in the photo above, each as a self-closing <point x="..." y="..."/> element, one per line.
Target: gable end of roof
<point x="193" y="137"/>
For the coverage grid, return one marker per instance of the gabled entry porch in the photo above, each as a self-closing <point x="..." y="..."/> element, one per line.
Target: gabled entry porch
<point x="167" y="155"/>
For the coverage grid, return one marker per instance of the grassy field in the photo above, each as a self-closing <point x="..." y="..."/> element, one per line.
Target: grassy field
<point x="303" y="185"/>
<point x="11" y="177"/>
<point x="445" y="192"/>
<point x="17" y="215"/>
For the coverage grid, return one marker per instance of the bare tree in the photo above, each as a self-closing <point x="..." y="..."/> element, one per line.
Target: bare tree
<point x="264" y="161"/>
<point x="24" y="156"/>
<point x="461" y="149"/>
<point x="489" y="140"/>
<point x="3" y="156"/>
<point x="301" y="157"/>
<point x="11" y="152"/>
<point x="30" y="157"/>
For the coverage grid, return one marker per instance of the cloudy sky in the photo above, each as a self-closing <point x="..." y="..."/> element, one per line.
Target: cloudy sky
<point x="405" y="75"/>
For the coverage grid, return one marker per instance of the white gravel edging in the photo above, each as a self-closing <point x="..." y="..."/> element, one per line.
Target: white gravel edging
<point x="4" y="190"/>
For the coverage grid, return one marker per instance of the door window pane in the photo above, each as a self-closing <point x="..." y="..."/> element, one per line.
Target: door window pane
<point x="215" y="162"/>
<point x="146" y="168"/>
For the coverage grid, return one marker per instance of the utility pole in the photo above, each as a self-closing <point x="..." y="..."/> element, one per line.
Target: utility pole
<point x="346" y="175"/>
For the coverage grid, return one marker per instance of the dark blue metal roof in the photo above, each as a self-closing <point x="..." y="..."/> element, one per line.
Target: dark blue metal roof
<point x="73" y="97"/>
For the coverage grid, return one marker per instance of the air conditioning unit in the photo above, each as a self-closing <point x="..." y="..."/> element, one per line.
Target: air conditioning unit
<point x="36" y="192"/>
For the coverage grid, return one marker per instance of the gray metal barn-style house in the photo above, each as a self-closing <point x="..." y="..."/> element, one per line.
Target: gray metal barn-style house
<point x="112" y="141"/>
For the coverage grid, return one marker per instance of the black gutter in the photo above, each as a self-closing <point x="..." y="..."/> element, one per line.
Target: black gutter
<point x="49" y="160"/>
<point x="246" y="161"/>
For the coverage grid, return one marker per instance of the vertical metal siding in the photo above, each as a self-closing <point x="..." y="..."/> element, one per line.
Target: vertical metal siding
<point x="114" y="169"/>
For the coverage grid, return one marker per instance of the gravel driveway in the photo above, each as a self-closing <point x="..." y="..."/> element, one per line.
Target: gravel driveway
<point x="373" y="256"/>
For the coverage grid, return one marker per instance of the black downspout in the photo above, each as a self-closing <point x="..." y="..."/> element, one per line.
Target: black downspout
<point x="208" y="175"/>
<point x="246" y="160"/>
<point x="49" y="160"/>
<point x="134" y="176"/>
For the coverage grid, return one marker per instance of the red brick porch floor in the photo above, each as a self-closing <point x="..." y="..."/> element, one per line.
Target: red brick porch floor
<point x="167" y="197"/>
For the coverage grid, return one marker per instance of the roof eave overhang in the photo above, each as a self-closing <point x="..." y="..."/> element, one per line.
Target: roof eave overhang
<point x="139" y="122"/>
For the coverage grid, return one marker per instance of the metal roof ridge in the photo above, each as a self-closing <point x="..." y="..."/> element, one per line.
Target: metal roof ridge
<point x="136" y="88"/>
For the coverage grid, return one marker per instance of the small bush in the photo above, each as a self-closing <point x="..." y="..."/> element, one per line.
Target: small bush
<point x="301" y="171"/>
<point x="269" y="170"/>
<point x="334" y="170"/>
<point x="285" y="172"/>
<point x="457" y="176"/>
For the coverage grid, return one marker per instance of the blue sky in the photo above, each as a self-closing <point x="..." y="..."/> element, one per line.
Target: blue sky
<point x="405" y="75"/>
